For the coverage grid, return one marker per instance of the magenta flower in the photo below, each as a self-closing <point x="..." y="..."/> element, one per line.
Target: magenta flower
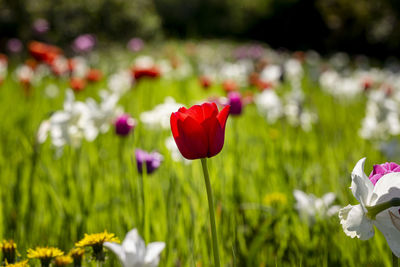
<point x="135" y="44"/>
<point x="124" y="125"/>
<point x="235" y="101"/>
<point x="14" y="45"/>
<point x="41" y="26"/>
<point x="380" y="170"/>
<point x="152" y="160"/>
<point x="84" y="43"/>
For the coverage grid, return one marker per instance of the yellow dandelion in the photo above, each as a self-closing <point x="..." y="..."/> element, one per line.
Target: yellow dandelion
<point x="276" y="198"/>
<point x="63" y="260"/>
<point x="8" y="245"/>
<point x="77" y="253"/>
<point x="96" y="242"/>
<point x="9" y="249"/>
<point x="97" y="239"/>
<point x="18" y="264"/>
<point x="44" y="253"/>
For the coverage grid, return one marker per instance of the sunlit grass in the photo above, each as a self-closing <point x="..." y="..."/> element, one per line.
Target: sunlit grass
<point x="53" y="200"/>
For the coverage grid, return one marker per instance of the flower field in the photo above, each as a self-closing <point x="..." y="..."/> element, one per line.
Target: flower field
<point x="86" y="146"/>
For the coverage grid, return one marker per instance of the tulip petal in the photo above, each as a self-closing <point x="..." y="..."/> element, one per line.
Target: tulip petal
<point x="133" y="245"/>
<point x="361" y="186"/>
<point x="153" y="251"/>
<point x="117" y="250"/>
<point x="223" y="116"/>
<point x="392" y="235"/>
<point x="189" y="136"/>
<point x="175" y="133"/>
<point x="355" y="223"/>
<point x="386" y="188"/>
<point x="215" y="126"/>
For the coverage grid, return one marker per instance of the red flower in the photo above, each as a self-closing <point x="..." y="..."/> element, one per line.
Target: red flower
<point x="44" y="52"/>
<point x="77" y="84"/>
<point x="199" y="131"/>
<point x="205" y="81"/>
<point x="229" y="86"/>
<point x="151" y="72"/>
<point x="94" y="75"/>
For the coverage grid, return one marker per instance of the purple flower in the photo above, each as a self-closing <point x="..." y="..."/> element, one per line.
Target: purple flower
<point x="124" y="124"/>
<point x="135" y="44"/>
<point x="382" y="169"/>
<point x="152" y="160"/>
<point x="84" y="43"/>
<point x="235" y="100"/>
<point x="14" y="45"/>
<point x="41" y="26"/>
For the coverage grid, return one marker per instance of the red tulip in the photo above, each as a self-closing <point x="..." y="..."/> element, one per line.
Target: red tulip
<point x="199" y="131"/>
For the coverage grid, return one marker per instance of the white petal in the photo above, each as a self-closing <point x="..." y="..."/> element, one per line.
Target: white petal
<point x="355" y="223"/>
<point x="361" y="186"/>
<point x="395" y="220"/>
<point x="328" y="198"/>
<point x="385" y="224"/>
<point x="153" y="252"/>
<point x="118" y="250"/>
<point x="333" y="210"/>
<point x="386" y="188"/>
<point x="134" y="245"/>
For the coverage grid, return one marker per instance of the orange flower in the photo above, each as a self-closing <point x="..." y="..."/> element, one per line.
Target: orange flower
<point x="94" y="75"/>
<point x="77" y="84"/>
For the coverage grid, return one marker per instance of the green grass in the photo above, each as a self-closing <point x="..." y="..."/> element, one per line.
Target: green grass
<point x="50" y="200"/>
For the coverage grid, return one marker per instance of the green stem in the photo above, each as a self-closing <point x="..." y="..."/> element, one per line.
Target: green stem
<point x="395" y="260"/>
<point x="145" y="224"/>
<point x="211" y="209"/>
<point x="374" y="210"/>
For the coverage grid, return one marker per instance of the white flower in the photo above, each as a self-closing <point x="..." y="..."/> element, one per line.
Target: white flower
<point x="159" y="117"/>
<point x="269" y="105"/>
<point x="24" y="73"/>
<point x="120" y="82"/>
<point x="51" y="91"/>
<point x="293" y="69"/>
<point x="310" y="207"/>
<point x="43" y="131"/>
<point x="102" y="114"/>
<point x="354" y="219"/>
<point x="81" y="67"/>
<point x="72" y="124"/>
<point x="134" y="253"/>
<point x="295" y="112"/>
<point x="144" y="62"/>
<point x="271" y="74"/>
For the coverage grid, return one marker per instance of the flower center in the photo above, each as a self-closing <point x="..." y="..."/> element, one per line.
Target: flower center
<point x="381" y="169"/>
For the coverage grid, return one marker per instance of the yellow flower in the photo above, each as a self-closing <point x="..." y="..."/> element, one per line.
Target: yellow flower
<point x="276" y="198"/>
<point x="9" y="249"/>
<point x="18" y="264"/>
<point x="96" y="242"/>
<point x="8" y="245"/>
<point x="97" y="239"/>
<point x="63" y="260"/>
<point x="44" y="253"/>
<point x="76" y="253"/>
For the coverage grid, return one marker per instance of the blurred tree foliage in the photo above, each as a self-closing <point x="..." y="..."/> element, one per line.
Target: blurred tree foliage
<point x="108" y="19"/>
<point x="362" y="26"/>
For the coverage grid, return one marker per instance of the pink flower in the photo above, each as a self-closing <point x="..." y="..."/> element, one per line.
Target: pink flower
<point x="380" y="170"/>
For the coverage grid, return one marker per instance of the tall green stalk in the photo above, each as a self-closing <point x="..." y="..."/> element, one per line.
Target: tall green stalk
<point x="211" y="210"/>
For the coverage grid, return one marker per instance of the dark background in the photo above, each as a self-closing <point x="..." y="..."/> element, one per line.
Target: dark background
<point x="358" y="27"/>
